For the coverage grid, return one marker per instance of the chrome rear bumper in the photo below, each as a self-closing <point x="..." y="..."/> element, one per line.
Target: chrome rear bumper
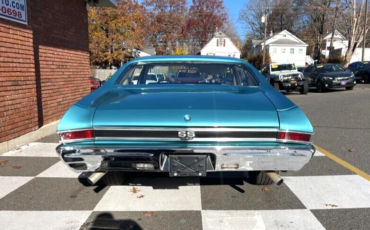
<point x="91" y="159"/>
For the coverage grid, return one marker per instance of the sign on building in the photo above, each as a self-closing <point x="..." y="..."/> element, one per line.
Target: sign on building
<point x="14" y="10"/>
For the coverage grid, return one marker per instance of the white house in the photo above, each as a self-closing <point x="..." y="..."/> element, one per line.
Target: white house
<point x="220" y="45"/>
<point x="283" y="47"/>
<point x="340" y="46"/>
<point x="339" y="42"/>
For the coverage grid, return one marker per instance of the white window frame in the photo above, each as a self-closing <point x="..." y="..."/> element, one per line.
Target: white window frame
<point x="283" y="50"/>
<point x="300" y="51"/>
<point x="274" y="50"/>
<point x="291" y="49"/>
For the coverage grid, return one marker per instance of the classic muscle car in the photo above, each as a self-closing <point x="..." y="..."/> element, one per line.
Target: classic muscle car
<point x="186" y="129"/>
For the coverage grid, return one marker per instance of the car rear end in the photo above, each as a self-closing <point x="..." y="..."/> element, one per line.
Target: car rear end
<point x="187" y="129"/>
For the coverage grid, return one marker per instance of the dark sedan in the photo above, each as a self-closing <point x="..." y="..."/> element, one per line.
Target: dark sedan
<point x="361" y="70"/>
<point x="328" y="76"/>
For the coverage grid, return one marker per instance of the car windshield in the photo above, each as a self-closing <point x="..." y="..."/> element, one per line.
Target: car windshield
<point x="282" y="67"/>
<point x="329" y="68"/>
<point x="190" y="73"/>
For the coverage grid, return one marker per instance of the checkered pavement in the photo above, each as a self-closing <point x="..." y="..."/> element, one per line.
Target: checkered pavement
<point x="37" y="191"/>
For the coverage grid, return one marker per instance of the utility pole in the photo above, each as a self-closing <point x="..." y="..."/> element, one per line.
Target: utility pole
<point x="364" y="39"/>
<point x="264" y="20"/>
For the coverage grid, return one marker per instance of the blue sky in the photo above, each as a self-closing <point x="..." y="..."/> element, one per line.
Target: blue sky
<point x="234" y="6"/>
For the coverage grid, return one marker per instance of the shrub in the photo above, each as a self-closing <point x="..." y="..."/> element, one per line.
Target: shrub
<point x="256" y="60"/>
<point x="337" y="59"/>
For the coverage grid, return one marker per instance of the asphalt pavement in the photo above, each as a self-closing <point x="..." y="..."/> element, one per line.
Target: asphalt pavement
<point x="37" y="191"/>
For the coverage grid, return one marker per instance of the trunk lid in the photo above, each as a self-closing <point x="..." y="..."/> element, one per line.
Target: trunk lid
<point x="167" y="107"/>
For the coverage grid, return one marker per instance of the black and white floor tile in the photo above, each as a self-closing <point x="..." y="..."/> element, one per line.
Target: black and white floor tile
<point x="37" y="191"/>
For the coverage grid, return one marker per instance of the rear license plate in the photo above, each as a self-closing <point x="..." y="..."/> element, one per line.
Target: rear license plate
<point x="343" y="83"/>
<point x="188" y="165"/>
<point x="293" y="82"/>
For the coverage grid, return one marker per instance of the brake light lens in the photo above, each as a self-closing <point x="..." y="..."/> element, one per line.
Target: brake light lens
<point x="292" y="136"/>
<point x="85" y="134"/>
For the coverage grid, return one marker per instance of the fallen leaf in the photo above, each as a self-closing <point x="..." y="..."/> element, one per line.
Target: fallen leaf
<point x="141" y="196"/>
<point x="148" y="213"/>
<point x="16" y="167"/>
<point x="19" y="148"/>
<point x="351" y="150"/>
<point x="135" y="190"/>
<point x="221" y="221"/>
<point x="3" y="163"/>
<point x="331" y="205"/>
<point x="265" y="189"/>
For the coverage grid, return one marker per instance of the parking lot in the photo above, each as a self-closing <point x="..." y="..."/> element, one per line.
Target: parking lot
<point x="332" y="192"/>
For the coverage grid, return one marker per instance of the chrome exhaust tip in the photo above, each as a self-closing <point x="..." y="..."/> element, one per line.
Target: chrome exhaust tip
<point x="275" y="178"/>
<point x="95" y="177"/>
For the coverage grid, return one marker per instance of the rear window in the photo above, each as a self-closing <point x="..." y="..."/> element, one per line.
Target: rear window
<point x="188" y="73"/>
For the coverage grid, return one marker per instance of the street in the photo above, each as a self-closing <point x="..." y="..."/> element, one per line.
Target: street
<point x="37" y="191"/>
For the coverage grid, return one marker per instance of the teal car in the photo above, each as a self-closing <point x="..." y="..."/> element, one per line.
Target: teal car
<point x="226" y="117"/>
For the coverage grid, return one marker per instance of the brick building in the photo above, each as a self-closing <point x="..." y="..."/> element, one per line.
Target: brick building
<point x="44" y="65"/>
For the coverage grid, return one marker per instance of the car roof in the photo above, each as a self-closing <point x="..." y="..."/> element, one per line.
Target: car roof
<point x="200" y="58"/>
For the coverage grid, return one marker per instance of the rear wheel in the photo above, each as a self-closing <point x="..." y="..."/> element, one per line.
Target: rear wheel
<point x="349" y="88"/>
<point x="259" y="178"/>
<point x="114" y="178"/>
<point x="366" y="78"/>
<point x="320" y="87"/>
<point x="276" y="85"/>
<point x="304" y="89"/>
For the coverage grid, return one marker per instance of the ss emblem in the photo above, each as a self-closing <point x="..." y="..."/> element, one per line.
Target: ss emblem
<point x="186" y="135"/>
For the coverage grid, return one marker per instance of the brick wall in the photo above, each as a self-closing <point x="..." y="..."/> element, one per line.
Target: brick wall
<point x="44" y="66"/>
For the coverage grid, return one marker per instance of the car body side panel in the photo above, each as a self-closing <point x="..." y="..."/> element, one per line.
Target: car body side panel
<point x="294" y="119"/>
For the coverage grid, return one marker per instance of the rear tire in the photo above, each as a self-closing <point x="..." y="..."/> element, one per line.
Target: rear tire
<point x="259" y="178"/>
<point x="304" y="89"/>
<point x="320" y="87"/>
<point x="114" y="178"/>
<point x="366" y="78"/>
<point x="276" y="85"/>
<point x="349" y="88"/>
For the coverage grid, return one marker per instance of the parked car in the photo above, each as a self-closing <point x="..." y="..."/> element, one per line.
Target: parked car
<point x="189" y="75"/>
<point x="285" y="77"/>
<point x="186" y="129"/>
<point x="95" y="83"/>
<point x="149" y="78"/>
<point x="328" y="76"/>
<point x="361" y="70"/>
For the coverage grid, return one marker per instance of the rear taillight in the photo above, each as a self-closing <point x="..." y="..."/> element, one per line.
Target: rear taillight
<point x="73" y="135"/>
<point x="292" y="136"/>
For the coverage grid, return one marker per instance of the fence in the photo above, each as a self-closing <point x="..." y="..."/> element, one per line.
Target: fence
<point x="102" y="74"/>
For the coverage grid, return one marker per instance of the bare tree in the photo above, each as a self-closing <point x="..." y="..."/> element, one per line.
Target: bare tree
<point x="317" y="12"/>
<point x="353" y="25"/>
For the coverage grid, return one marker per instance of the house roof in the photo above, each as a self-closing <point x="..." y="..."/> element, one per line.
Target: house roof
<point x="337" y="34"/>
<point x="285" y="42"/>
<point x="219" y="34"/>
<point x="104" y="3"/>
<point x="256" y="42"/>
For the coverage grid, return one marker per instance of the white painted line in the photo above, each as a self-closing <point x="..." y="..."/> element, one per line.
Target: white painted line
<point x="331" y="192"/>
<point x="8" y="184"/>
<point x="171" y="196"/>
<point x="35" y="150"/>
<point x="36" y="220"/>
<point x="244" y="220"/>
<point x="319" y="154"/>
<point x="60" y="170"/>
